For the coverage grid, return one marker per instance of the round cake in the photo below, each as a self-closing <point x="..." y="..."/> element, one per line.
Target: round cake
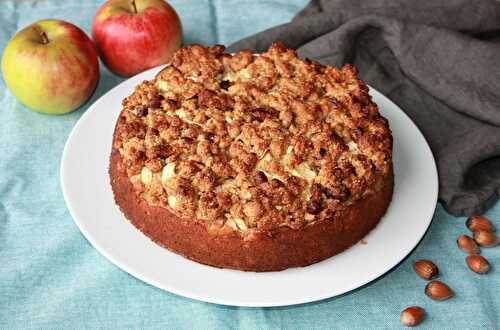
<point x="252" y="162"/>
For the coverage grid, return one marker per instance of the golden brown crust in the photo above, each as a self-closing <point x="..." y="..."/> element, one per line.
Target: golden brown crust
<point x="283" y="249"/>
<point x="253" y="144"/>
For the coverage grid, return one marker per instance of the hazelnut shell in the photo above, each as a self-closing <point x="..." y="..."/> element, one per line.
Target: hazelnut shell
<point x="486" y="238"/>
<point x="412" y="316"/>
<point x="437" y="290"/>
<point x="426" y="269"/>
<point x="478" y="264"/>
<point x="478" y="222"/>
<point x="467" y="244"/>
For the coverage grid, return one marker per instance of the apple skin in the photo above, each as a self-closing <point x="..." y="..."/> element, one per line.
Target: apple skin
<point x="54" y="75"/>
<point x="133" y="36"/>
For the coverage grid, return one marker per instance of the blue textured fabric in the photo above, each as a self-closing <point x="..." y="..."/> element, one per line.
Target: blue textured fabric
<point x="51" y="277"/>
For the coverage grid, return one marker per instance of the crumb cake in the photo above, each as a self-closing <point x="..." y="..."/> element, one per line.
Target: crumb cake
<point x="252" y="162"/>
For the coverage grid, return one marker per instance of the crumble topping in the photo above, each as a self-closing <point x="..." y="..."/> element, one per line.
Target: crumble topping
<point x="253" y="143"/>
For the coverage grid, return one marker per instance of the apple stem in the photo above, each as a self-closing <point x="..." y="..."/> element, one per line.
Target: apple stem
<point x="134" y="7"/>
<point x="45" y="39"/>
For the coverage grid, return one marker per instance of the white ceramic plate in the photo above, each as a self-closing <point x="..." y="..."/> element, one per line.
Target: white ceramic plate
<point x="88" y="195"/>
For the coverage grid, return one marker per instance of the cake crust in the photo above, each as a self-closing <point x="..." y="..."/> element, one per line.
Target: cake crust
<point x="252" y="162"/>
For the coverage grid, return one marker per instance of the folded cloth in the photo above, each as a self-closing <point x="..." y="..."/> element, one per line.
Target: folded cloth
<point x="439" y="60"/>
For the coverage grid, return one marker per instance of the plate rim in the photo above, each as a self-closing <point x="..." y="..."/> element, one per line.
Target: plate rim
<point x="228" y="302"/>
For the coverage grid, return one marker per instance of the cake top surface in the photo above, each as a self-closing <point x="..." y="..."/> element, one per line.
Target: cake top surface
<point x="250" y="144"/>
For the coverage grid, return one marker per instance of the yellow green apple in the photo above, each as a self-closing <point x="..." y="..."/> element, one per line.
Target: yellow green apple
<point x="51" y="66"/>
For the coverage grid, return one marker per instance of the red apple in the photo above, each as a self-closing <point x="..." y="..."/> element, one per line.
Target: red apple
<point x="51" y="66"/>
<point x="136" y="35"/>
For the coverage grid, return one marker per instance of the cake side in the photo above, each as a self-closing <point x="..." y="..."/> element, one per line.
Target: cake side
<point x="265" y="252"/>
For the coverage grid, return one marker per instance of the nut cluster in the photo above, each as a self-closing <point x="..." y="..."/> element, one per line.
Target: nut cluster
<point x="483" y="235"/>
<point x="436" y="290"/>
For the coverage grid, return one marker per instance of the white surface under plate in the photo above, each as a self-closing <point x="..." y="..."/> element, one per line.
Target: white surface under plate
<point x="88" y="195"/>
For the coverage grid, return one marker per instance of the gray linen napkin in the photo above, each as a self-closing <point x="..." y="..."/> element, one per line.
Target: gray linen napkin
<point x="439" y="60"/>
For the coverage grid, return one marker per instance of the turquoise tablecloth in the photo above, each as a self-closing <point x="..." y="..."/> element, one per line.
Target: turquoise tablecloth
<point x="51" y="277"/>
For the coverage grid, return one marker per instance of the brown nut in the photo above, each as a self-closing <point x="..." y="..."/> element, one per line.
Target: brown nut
<point x="155" y="102"/>
<point x="486" y="238"/>
<point x="477" y="223"/>
<point x="478" y="264"/>
<point x="426" y="269"/>
<point x="437" y="290"/>
<point x="412" y="316"/>
<point x="467" y="244"/>
<point x="313" y="207"/>
<point x="260" y="177"/>
<point x="225" y="84"/>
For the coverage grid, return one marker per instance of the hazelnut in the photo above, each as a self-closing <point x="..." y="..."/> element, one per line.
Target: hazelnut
<point x="275" y="183"/>
<point x="225" y="84"/>
<point x="155" y="102"/>
<point x="186" y="140"/>
<point x="477" y="223"/>
<point x="259" y="114"/>
<point x="486" y="238"/>
<point x="478" y="264"/>
<point x="313" y="207"/>
<point x="412" y="316"/>
<point x="260" y="177"/>
<point x="467" y="244"/>
<point x="437" y="290"/>
<point x="426" y="269"/>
